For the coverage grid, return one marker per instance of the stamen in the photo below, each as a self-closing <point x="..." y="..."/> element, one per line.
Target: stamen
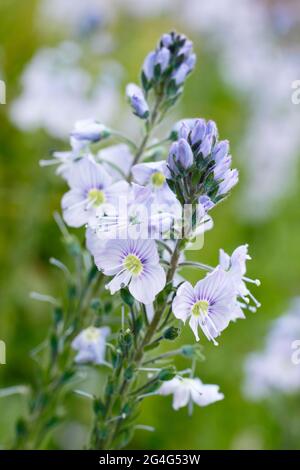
<point x="133" y="264"/>
<point x="49" y="162"/>
<point x="258" y="304"/>
<point x="252" y="281"/>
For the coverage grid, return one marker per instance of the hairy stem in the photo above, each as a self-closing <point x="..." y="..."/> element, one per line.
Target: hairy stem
<point x="44" y="402"/>
<point x="126" y="385"/>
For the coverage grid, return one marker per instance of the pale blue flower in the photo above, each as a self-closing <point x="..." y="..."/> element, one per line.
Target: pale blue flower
<point x="91" y="191"/>
<point x="188" y="390"/>
<point x="90" y="345"/>
<point x="137" y="100"/>
<point x="133" y="263"/>
<point x="208" y="305"/>
<point x="154" y="174"/>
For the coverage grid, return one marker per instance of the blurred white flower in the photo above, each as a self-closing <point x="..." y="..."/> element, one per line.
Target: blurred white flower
<point x="186" y="390"/>
<point x="56" y="91"/>
<point x="273" y="369"/>
<point x="90" y="345"/>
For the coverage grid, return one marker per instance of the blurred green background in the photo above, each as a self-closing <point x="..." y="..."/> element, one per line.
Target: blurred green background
<point x="29" y="237"/>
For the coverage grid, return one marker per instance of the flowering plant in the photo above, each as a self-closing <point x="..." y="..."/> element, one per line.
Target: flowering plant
<point x="142" y="206"/>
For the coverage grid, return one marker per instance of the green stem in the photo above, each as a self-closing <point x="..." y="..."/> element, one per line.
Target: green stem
<point x="125" y="389"/>
<point x="48" y="394"/>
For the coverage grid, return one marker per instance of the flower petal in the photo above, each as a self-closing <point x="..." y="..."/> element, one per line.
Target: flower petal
<point x="146" y="286"/>
<point x="183" y="302"/>
<point x="74" y="208"/>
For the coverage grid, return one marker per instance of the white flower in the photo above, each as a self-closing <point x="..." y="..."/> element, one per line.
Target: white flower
<point x="208" y="305"/>
<point x="90" y="345"/>
<point x="133" y="263"/>
<point x="186" y="390"/>
<point x="235" y="265"/>
<point x="91" y="193"/>
<point x="272" y="369"/>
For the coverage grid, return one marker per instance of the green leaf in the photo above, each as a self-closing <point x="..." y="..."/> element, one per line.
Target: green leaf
<point x="127" y="297"/>
<point x="171" y="333"/>
<point x="167" y="374"/>
<point x="99" y="408"/>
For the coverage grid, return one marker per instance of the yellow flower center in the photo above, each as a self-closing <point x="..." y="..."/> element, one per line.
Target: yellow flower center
<point x="158" y="179"/>
<point x="92" y="334"/>
<point x="96" y="196"/>
<point x="200" y="308"/>
<point x="133" y="264"/>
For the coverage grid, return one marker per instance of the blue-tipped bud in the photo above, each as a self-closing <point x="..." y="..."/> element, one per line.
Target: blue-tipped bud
<point x="220" y="150"/>
<point x="180" y="157"/>
<point x="180" y="74"/>
<point x="166" y="40"/>
<point x="211" y="129"/>
<point x="231" y="178"/>
<point x="198" y="131"/>
<point x="206" y="146"/>
<point x="172" y="59"/>
<point x="162" y="58"/>
<point x="137" y="100"/>
<point x="206" y="202"/>
<point x="89" y="131"/>
<point x="210" y="177"/>
<point x="183" y="131"/>
<point x="148" y="67"/>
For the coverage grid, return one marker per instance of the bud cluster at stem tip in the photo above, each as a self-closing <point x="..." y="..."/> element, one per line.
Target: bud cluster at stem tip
<point x="199" y="165"/>
<point x="166" y="68"/>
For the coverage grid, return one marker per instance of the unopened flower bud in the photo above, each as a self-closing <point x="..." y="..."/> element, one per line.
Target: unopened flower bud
<point x="198" y="131"/>
<point x="180" y="74"/>
<point x="137" y="100"/>
<point x="206" y="146"/>
<point x="220" y="150"/>
<point x="148" y="67"/>
<point x="171" y="333"/>
<point x="89" y="130"/>
<point x="230" y="179"/>
<point x="180" y="156"/>
<point x="211" y="129"/>
<point x="162" y="58"/>
<point x="166" y="40"/>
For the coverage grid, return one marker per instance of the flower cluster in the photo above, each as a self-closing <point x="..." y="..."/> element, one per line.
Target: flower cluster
<point x="199" y="164"/>
<point x="131" y="205"/>
<point x="166" y="68"/>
